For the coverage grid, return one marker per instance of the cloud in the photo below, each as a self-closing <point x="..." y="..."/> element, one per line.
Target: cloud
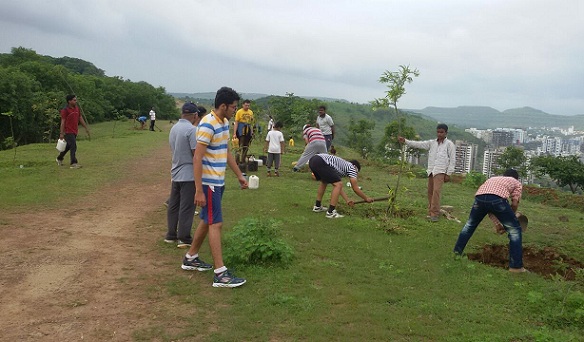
<point x="497" y="53"/>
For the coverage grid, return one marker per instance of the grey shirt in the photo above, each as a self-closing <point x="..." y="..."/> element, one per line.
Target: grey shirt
<point x="183" y="142"/>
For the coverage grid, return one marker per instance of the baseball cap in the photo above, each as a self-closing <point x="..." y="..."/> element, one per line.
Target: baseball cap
<point x="190" y="108"/>
<point x="305" y="127"/>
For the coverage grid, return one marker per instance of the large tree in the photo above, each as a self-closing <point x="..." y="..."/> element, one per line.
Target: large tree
<point x="564" y="170"/>
<point x="512" y="158"/>
<point x="359" y="137"/>
<point x="33" y="89"/>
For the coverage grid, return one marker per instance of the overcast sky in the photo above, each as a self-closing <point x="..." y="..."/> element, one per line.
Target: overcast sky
<point x="498" y="53"/>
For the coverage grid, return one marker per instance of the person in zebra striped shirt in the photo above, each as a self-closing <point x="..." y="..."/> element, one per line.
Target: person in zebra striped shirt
<point x="329" y="169"/>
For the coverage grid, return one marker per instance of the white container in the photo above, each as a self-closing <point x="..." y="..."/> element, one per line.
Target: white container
<point x="254" y="182"/>
<point x="61" y="145"/>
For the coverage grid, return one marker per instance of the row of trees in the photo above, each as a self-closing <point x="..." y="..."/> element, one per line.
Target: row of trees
<point x="33" y="89"/>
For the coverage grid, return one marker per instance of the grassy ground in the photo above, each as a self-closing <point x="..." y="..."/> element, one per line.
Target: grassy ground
<point x="359" y="278"/>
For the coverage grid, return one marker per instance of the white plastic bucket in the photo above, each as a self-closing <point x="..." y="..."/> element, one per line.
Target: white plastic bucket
<point x="61" y="145"/>
<point x="254" y="182"/>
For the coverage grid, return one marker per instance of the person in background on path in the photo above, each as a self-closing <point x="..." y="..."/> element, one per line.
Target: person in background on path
<point x="441" y="160"/>
<point x="152" y="119"/>
<point x="270" y="123"/>
<point x="70" y="120"/>
<point x="243" y="128"/>
<point x="181" y="205"/>
<point x="329" y="169"/>
<point x="211" y="158"/>
<point x="315" y="144"/>
<point x="492" y="198"/>
<point x="291" y="142"/>
<point x="333" y="150"/>
<point x="142" y="120"/>
<point x="325" y="123"/>
<point x="274" y="146"/>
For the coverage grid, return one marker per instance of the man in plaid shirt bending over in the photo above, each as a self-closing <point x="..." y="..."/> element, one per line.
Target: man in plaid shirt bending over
<point x="492" y="198"/>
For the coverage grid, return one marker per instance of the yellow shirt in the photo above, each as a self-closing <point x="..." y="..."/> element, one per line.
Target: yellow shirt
<point x="291" y="142"/>
<point x="244" y="116"/>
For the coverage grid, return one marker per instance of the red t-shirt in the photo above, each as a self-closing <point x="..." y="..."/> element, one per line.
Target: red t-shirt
<point x="71" y="116"/>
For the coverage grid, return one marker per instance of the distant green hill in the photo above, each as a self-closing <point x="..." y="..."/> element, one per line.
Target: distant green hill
<point x="487" y="117"/>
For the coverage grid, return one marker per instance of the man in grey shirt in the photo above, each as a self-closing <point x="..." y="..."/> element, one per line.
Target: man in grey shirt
<point x="326" y="125"/>
<point x="181" y="204"/>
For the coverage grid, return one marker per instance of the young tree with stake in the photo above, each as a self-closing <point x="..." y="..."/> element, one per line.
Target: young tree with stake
<point x="395" y="82"/>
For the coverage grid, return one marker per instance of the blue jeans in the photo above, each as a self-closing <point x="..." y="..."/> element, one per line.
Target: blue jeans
<point x="499" y="207"/>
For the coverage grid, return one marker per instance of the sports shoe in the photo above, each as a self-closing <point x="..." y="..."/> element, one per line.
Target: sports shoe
<point x="277" y="174"/>
<point x="269" y="174"/>
<point x="195" y="264"/>
<point x="334" y="214"/>
<point x="226" y="279"/>
<point x="183" y="244"/>
<point x="75" y="166"/>
<point x="318" y="209"/>
<point x="170" y="240"/>
<point x="59" y="162"/>
<point x="434" y="219"/>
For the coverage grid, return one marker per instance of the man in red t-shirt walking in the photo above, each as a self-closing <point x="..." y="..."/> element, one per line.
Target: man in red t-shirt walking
<point x="70" y="120"/>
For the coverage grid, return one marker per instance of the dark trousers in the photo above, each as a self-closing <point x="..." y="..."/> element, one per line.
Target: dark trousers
<point x="152" y="123"/>
<point x="71" y="140"/>
<point x="181" y="208"/>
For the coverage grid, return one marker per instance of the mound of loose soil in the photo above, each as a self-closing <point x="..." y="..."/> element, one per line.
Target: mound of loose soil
<point x="546" y="262"/>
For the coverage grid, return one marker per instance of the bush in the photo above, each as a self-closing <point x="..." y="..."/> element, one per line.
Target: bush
<point x="474" y="179"/>
<point x="256" y="241"/>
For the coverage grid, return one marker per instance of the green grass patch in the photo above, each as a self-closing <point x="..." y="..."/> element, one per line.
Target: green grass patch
<point x="31" y="176"/>
<point x="364" y="277"/>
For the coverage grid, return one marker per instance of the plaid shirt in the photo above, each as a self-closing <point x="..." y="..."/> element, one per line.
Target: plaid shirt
<point x="501" y="186"/>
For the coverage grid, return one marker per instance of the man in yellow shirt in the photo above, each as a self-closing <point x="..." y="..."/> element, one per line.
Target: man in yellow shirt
<point x="243" y="128"/>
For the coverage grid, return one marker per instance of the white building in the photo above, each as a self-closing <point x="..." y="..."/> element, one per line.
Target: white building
<point x="490" y="161"/>
<point x="465" y="157"/>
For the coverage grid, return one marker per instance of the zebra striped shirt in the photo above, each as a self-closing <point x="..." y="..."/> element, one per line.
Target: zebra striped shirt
<point x="341" y="166"/>
<point x="215" y="135"/>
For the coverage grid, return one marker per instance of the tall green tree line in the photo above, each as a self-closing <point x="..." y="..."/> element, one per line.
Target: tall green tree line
<point x="33" y="89"/>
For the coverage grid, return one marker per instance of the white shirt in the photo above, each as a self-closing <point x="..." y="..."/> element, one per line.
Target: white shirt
<point x="325" y="124"/>
<point x="441" y="157"/>
<point x="152" y="115"/>
<point x="274" y="138"/>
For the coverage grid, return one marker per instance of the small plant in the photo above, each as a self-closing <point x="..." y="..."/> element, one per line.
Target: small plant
<point x="257" y="241"/>
<point x="474" y="179"/>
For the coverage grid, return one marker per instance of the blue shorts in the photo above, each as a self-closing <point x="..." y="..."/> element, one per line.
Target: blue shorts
<point x="211" y="213"/>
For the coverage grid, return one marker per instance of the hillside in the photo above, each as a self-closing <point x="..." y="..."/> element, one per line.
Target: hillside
<point x="487" y="117"/>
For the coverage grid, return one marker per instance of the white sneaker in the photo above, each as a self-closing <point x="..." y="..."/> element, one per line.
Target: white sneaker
<point x="318" y="209"/>
<point x="59" y="162"/>
<point x="334" y="214"/>
<point x="75" y="166"/>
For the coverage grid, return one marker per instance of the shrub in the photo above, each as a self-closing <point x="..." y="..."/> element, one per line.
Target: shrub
<point x="474" y="179"/>
<point x="257" y="241"/>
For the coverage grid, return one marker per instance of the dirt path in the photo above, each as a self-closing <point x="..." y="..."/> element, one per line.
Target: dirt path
<point x="69" y="274"/>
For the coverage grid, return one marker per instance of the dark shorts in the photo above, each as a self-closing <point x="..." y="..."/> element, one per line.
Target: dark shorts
<point x="322" y="171"/>
<point x="211" y="213"/>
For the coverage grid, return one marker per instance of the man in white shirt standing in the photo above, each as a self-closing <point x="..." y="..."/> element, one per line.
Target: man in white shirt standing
<point x="326" y="124"/>
<point x="152" y="119"/>
<point x="441" y="160"/>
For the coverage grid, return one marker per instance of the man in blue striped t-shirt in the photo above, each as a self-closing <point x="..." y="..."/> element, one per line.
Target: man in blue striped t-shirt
<point x="209" y="162"/>
<point x="329" y="169"/>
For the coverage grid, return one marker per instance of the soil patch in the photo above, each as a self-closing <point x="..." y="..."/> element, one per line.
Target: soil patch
<point x="86" y="271"/>
<point x="546" y="262"/>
